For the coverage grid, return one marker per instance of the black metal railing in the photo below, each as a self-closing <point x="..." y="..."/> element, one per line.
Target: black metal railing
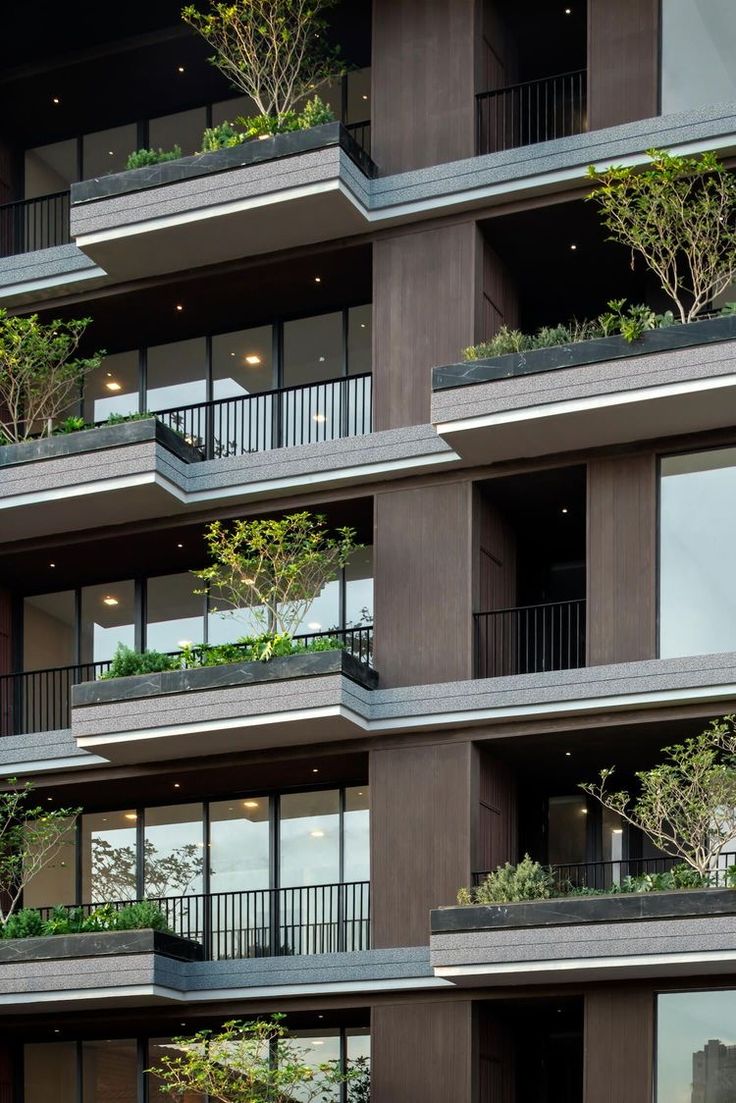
<point x="40" y="700"/>
<point x="604" y="875"/>
<point x="304" y="919"/>
<point x="530" y="639"/>
<point x="31" y="224"/>
<point x="361" y="133"/>
<point x="535" y="111"/>
<point x="307" y="414"/>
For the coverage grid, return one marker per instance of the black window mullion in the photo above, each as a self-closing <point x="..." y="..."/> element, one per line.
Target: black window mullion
<point x="341" y="858"/>
<point x="80" y="1072"/>
<point x="142" y="1063"/>
<point x="78" y="860"/>
<point x="140" y="613"/>
<point x="140" y="847"/>
<point x="142" y="380"/>
<point x="78" y="627"/>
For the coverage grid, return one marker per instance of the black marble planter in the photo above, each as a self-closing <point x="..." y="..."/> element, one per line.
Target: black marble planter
<point x="99" y="944"/>
<point x="253" y="152"/>
<point x="572" y="910"/>
<point x="95" y="440"/>
<point x="309" y="665"/>
<point x="708" y="331"/>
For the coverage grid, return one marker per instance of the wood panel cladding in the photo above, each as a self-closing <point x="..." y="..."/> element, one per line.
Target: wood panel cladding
<point x="422" y="1052"/>
<point x="619" y="1045"/>
<point x="422" y="823"/>
<point x="423" y="82"/>
<point x="426" y="287"/>
<point x="6" y="632"/>
<point x="500" y="302"/>
<point x="623" y="61"/>
<point x="622" y="558"/>
<point x="496" y="832"/>
<point x="423" y="584"/>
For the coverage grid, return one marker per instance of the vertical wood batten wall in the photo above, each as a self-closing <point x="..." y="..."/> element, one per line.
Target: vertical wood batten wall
<point x="422" y="1052"/>
<point x="623" y="61"/>
<point x="619" y="1045"/>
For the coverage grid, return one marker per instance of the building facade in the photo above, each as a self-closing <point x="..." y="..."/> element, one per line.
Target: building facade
<point x="545" y="582"/>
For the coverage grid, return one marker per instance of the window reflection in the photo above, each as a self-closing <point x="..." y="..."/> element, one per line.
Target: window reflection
<point x="109" y="857"/>
<point x="698" y="46"/>
<point x="359" y="588"/>
<point x="183" y="129"/>
<point x="242" y="365"/>
<point x="50" y="1072"/>
<point x="175" y="614"/>
<point x="110" y="1071"/>
<point x="107" y="151"/>
<point x="56" y="882"/>
<point x="48" y="630"/>
<point x="51" y="168"/>
<point x="158" y="1048"/>
<point x="108" y="618"/>
<point x="568" y="826"/>
<point x="173" y="859"/>
<point x="696" y="1047"/>
<point x="310" y="838"/>
<point x="176" y="374"/>
<point x="112" y="388"/>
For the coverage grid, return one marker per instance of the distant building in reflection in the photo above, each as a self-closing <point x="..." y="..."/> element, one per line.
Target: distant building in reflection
<point x="714" y="1073"/>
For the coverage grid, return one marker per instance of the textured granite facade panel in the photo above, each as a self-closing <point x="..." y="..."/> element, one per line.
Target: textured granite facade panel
<point x="40" y="747"/>
<point x="45" y="264"/>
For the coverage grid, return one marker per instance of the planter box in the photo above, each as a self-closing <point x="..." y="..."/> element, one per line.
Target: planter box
<point x="96" y="440"/>
<point x="597" y="351"/>
<point x="99" y="944"/>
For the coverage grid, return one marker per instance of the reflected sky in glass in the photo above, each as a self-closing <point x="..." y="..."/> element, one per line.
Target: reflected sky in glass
<point x="686" y="1022"/>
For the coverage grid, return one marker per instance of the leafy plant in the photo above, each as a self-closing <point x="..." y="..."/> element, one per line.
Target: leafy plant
<point x="687" y="805"/>
<point x="728" y="309"/>
<point x="71" y="425"/>
<point x="315" y="113"/>
<point x="513" y="340"/>
<point x="275" y="568"/>
<point x="223" y="136"/>
<point x="142" y="157"/>
<point x="39" y="372"/>
<point x="679" y="215"/>
<point x="28" y="923"/>
<point x="251" y="1062"/>
<point x="275" y="51"/>
<point x="631" y="323"/>
<point x="127" y="661"/>
<point x="143" y="915"/>
<point x="510" y="884"/>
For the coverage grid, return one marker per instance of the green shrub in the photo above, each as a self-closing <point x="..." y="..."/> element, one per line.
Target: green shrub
<point x="510" y="884"/>
<point x="142" y="157"/>
<point x="141" y="916"/>
<point x="71" y="425"/>
<point x="25" y="923"/>
<point x="315" y="113"/>
<point x="28" y="923"/>
<point x="120" y="419"/>
<point x="223" y="136"/>
<point x="127" y="661"/>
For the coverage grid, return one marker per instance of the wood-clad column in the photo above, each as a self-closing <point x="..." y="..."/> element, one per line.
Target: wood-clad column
<point x="619" y="1044"/>
<point x="623" y="61"/>
<point x="427" y="297"/>
<point x="622" y="558"/>
<point x="424" y="815"/>
<point x="423" y="583"/>
<point x="422" y="1052"/>
<point x="423" y="82"/>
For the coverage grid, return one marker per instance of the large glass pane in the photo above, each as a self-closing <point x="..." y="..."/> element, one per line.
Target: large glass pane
<point x="226" y="624"/>
<point x="359" y="391"/>
<point x="50" y="169"/>
<point x="174" y="850"/>
<point x="358" y="1057"/>
<point x="227" y="111"/>
<point x="568" y="822"/>
<point x="174" y="613"/>
<point x="109" y="852"/>
<point x="697" y="583"/>
<point x="113" y="387"/>
<point x="698" y="47"/>
<point x="324" y="613"/>
<point x="110" y="1071"/>
<point x="239" y="876"/>
<point x="359" y="588"/>
<point x="242" y="369"/>
<point x="56" y="882"/>
<point x="696" y="1047"/>
<point x="310" y="856"/>
<point x="158" y="1048"/>
<point x="107" y="151"/>
<point x="176" y="374"/>
<point x="313" y="354"/>
<point x="183" y="129"/>
<point x="318" y="1047"/>
<point x="49" y="631"/>
<point x="356" y="868"/>
<point x="359" y="96"/>
<point x="50" y="1072"/>
<point x="108" y="618"/>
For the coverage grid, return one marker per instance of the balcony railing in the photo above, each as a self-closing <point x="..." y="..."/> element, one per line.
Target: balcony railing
<point x="535" y="111"/>
<point x="40" y="700"/>
<point x="305" y="919"/>
<point x="530" y="639"/>
<point x="604" y="875"/>
<point x="361" y="134"/>
<point x="33" y="224"/>
<point x="306" y="414"/>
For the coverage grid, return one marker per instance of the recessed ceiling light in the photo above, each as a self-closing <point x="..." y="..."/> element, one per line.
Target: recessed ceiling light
<point x="110" y="600"/>
<point x="364" y="96"/>
<point x="177" y="785"/>
<point x="568" y="754"/>
<point x="56" y="1030"/>
<point x="179" y="306"/>
<point x="110" y="153"/>
<point x="317" y="1042"/>
<point x="180" y="69"/>
<point x="52" y="564"/>
<point x="317" y="834"/>
<point x="250" y="804"/>
<point x="232" y="354"/>
<point x="314" y="625"/>
<point x="573" y="246"/>
<point x="113" y="386"/>
<point x="318" y="279"/>
<point x="108" y="374"/>
<point x="180" y="545"/>
<point x="321" y="359"/>
<point x="252" y="359"/>
<point x="56" y="100"/>
<point x="568" y="11"/>
<point x="319" y="418"/>
<point x="315" y="770"/>
<point x="564" y="509"/>
<point x="131" y="815"/>
<point x="362" y="325"/>
<point x="49" y="798"/>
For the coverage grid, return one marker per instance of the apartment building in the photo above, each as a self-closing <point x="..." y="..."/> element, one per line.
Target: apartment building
<point x="545" y="585"/>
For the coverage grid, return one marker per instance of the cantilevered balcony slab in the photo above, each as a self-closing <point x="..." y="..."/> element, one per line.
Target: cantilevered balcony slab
<point x="587" y="938"/>
<point x="680" y="379"/>
<point x="315" y="697"/>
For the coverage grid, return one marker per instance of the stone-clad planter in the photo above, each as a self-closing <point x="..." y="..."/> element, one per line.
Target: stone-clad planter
<point x="600" y="350"/>
<point x="99" y="944"/>
<point x="97" y="440"/>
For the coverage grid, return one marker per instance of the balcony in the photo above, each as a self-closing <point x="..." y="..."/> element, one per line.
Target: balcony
<point x="32" y="224"/>
<point x="530" y="112"/>
<point x="530" y="639"/>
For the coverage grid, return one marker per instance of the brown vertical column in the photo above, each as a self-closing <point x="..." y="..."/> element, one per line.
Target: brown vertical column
<point x="497" y="816"/>
<point x="423" y="819"/>
<point x="422" y="1053"/>
<point x="619" y="1043"/>
<point x="423" y="584"/>
<point x="426" y="297"/>
<point x="423" y="82"/>
<point x="622" y="556"/>
<point x="623" y="61"/>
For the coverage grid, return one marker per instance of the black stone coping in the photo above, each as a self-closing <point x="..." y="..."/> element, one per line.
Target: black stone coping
<point x="99" y="944"/>
<point x="94" y="440"/>
<point x="572" y="910"/>
<point x="253" y="152"/>
<point x="309" y="665"/>
<point x="705" y="332"/>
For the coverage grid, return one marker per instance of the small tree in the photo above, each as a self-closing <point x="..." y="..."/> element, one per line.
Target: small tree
<point x="39" y="374"/>
<point x="251" y="1062"/>
<point x="687" y="805"/>
<point x="275" y="51"/>
<point x="679" y="215"/>
<point x="31" y="836"/>
<point x="276" y="568"/>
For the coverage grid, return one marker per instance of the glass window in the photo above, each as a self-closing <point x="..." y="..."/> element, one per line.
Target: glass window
<point x="324" y="614"/>
<point x="109" y="853"/>
<point x="110" y="1071"/>
<point x="174" y="613"/>
<point x="50" y="1072"/>
<point x="113" y="387"/>
<point x="50" y="169"/>
<point x="242" y="366"/>
<point x="56" y="882"/>
<point x="696" y="1047"/>
<point x="227" y="625"/>
<point x="227" y="111"/>
<point x="359" y="96"/>
<point x="698" y="47"/>
<point x="240" y="844"/>
<point x="159" y="1048"/>
<point x="173" y="850"/>
<point x="697" y="584"/>
<point x="568" y="821"/>
<point x="313" y="349"/>
<point x="356" y="828"/>
<point x="49" y="631"/>
<point x="318" y="1047"/>
<point x="107" y="151"/>
<point x="176" y="374"/>
<point x="359" y="588"/>
<point x="310" y="838"/>
<point x="108" y="618"/>
<point x="183" y="129"/>
<point x="360" y="338"/>
<point x="358" y="1049"/>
